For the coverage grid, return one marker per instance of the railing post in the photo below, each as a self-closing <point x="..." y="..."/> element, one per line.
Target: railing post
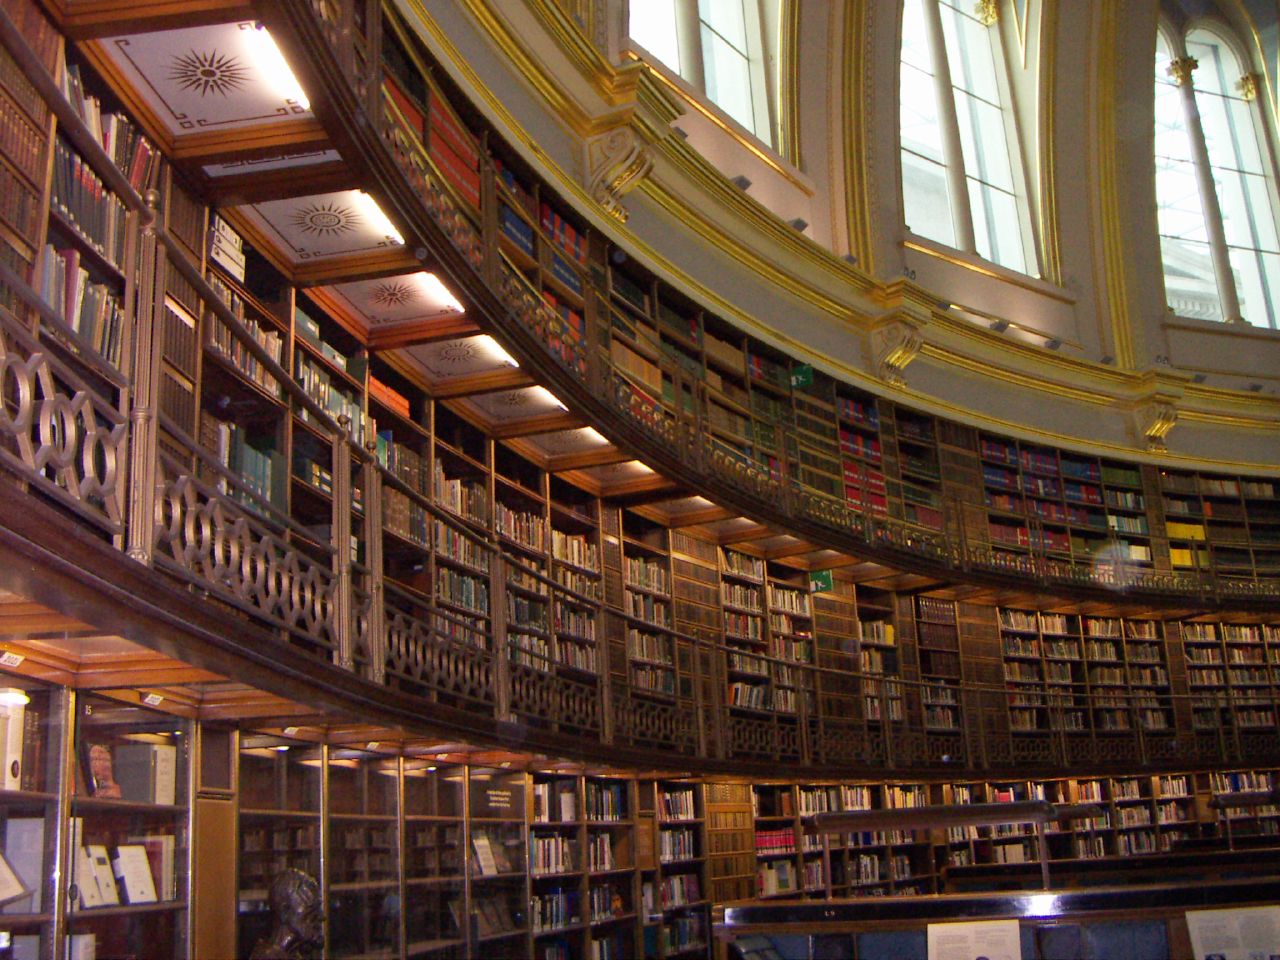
<point x="377" y="621"/>
<point x="143" y="456"/>
<point x="491" y="266"/>
<point x="605" y="688"/>
<point x="501" y="650"/>
<point x="373" y="62"/>
<point x="886" y="720"/>
<point x="343" y="607"/>
<point x="802" y="709"/>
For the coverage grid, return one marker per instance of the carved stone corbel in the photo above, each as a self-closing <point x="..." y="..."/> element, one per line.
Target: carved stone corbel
<point x="616" y="161"/>
<point x="896" y="344"/>
<point x="1154" y="421"/>
<point x="1155" y="407"/>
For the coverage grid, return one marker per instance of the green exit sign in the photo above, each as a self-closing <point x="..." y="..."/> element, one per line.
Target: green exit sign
<point x="802" y="376"/>
<point x="820" y="581"/>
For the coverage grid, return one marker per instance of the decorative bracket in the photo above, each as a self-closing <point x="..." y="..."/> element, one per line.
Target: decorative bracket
<point x="1154" y="421"/>
<point x="616" y="161"/>
<point x="894" y="345"/>
<point x="1155" y="407"/>
<point x="895" y="338"/>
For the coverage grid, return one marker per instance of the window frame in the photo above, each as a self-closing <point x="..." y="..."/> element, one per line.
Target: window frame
<point x="962" y="210"/>
<point x="761" y="64"/>
<point x="1223" y="33"/>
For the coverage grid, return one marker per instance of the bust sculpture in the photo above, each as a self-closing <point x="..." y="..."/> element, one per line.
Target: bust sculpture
<point x="295" y="904"/>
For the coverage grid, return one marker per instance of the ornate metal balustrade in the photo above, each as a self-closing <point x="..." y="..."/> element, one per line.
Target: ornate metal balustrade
<point x="58" y="434"/>
<point x="438" y="656"/>
<point x="237" y="554"/>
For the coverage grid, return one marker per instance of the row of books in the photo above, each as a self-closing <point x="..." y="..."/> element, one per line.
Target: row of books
<point x="91" y="309"/>
<point x="131" y="152"/>
<point x="80" y="196"/>
<point x="258" y="467"/>
<point x="315" y="380"/>
<point x="222" y="342"/>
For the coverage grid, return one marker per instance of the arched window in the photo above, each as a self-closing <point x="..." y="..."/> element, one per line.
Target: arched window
<point x="723" y="48"/>
<point x="962" y="184"/>
<point x="1215" y="190"/>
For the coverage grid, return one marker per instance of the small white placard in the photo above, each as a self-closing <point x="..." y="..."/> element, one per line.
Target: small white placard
<point x="11" y="659"/>
<point x="1244" y="933"/>
<point x="980" y="940"/>
<point x="153" y="699"/>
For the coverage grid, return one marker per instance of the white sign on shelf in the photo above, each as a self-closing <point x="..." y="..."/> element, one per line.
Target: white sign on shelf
<point x="979" y="940"/>
<point x="1242" y="933"/>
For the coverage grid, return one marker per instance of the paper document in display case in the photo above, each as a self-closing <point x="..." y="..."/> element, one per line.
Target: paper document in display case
<point x="12" y="731"/>
<point x="24" y="852"/>
<point x="133" y="870"/>
<point x="102" y="874"/>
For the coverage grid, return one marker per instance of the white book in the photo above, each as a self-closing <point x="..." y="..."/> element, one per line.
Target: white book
<point x="86" y="880"/>
<point x="102" y="873"/>
<point x="11" y="737"/>
<point x="133" y="870"/>
<point x="161" y="849"/>
<point x="484" y="855"/>
<point x="568" y="805"/>
<point x="24" y="849"/>
<point x="82" y="946"/>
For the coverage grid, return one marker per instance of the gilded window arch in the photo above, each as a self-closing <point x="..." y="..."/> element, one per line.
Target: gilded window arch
<point x="1215" y="177"/>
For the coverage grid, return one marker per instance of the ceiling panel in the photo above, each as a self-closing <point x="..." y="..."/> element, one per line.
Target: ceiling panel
<point x="388" y="302"/>
<point x="461" y="357"/>
<point x="322" y="226"/>
<point x="506" y="406"/>
<point x="208" y="78"/>
<point x="560" y="443"/>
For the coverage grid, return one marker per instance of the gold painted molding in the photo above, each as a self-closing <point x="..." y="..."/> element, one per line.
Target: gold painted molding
<point x="1044" y="288"/>
<point x="1115" y="283"/>
<point x="856" y="93"/>
<point x="788" y="80"/>
<point x="1047" y="99"/>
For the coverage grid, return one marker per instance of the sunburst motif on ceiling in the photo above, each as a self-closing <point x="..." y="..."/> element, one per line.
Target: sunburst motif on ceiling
<point x="392" y="293"/>
<point x="325" y="219"/>
<point x="458" y="352"/>
<point x="208" y="72"/>
<point x="513" y="400"/>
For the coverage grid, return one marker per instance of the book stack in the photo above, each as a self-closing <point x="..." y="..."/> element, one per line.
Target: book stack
<point x="81" y="197"/>
<point x="124" y="143"/>
<point x="226" y="247"/>
<point x="91" y="309"/>
<point x="453" y="150"/>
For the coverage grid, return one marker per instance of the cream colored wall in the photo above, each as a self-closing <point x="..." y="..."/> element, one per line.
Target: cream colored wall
<point x="1091" y="180"/>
